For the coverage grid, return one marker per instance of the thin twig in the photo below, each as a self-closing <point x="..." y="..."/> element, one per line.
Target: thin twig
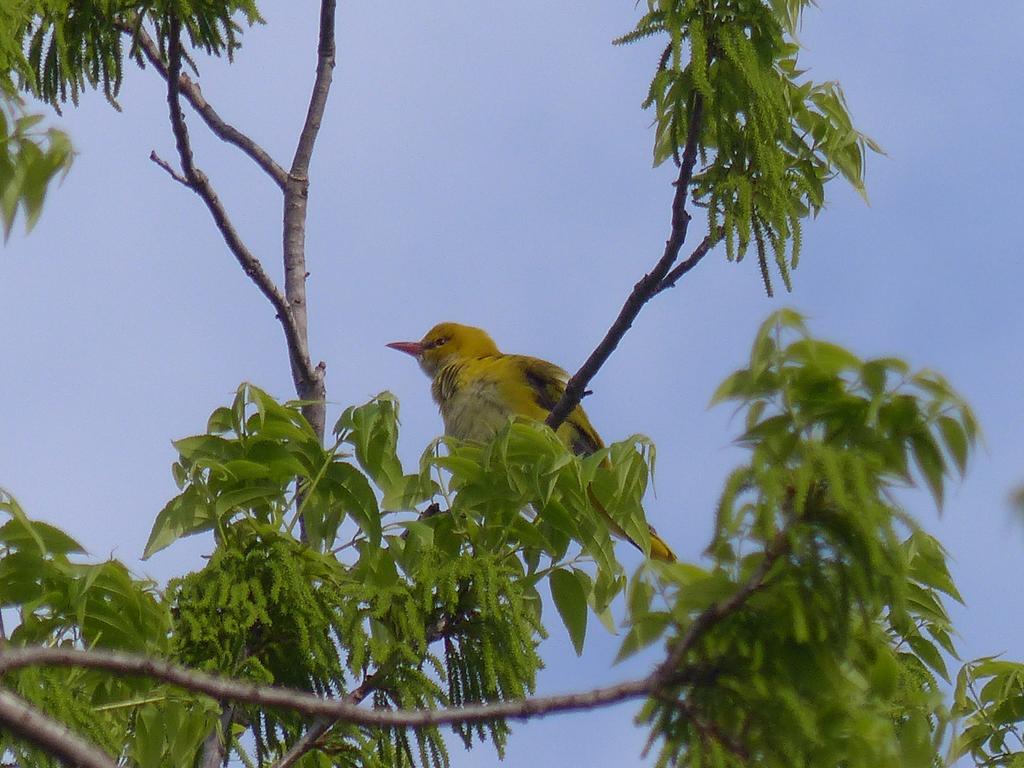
<point x="194" y="96"/>
<point x="648" y="285"/>
<point x="169" y="168"/>
<point x="683" y="267"/>
<point x="707" y="729"/>
<point x="27" y="722"/>
<point x="319" y="727"/>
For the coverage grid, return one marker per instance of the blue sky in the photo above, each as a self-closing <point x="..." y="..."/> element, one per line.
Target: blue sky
<point x="489" y="164"/>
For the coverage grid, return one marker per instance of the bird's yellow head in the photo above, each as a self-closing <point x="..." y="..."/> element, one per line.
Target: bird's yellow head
<point x="447" y="343"/>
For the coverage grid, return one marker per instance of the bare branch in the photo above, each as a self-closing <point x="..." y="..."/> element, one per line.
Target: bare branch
<point x="222" y="688"/>
<point x="648" y="286"/>
<point x="194" y="96"/>
<point x="198" y="181"/>
<point x="308" y="381"/>
<point x="27" y="722"/>
<point x="321" y="90"/>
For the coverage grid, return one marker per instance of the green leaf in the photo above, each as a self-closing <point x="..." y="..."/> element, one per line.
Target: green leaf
<point x="184" y="515"/>
<point x="930" y="655"/>
<point x="643" y="633"/>
<point x="356" y="497"/>
<point x="955" y="438"/>
<point x="22" y="576"/>
<point x="828" y="357"/>
<point x="21" y="533"/>
<point x="244" y="497"/>
<point x="571" y="602"/>
<point x="929" y="461"/>
<point x="737" y="386"/>
<point x="884" y="674"/>
<point x="148" y="745"/>
<point x="200" y="447"/>
<point x="372" y="429"/>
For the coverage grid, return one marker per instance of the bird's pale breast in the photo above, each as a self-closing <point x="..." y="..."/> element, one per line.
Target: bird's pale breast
<point x="472" y="407"/>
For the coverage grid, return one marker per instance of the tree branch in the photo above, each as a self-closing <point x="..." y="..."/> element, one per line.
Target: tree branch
<point x="668" y="669"/>
<point x="169" y="169"/>
<point x="27" y="722"/>
<point x="194" y="96"/>
<point x="344" y="710"/>
<point x="309" y="382"/>
<point x="200" y="184"/>
<point x="692" y="261"/>
<point x="648" y="286"/>
<point x="319" y="727"/>
<point x="321" y="90"/>
<point x="218" y="740"/>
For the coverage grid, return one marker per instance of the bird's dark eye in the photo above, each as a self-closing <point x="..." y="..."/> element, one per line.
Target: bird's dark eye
<point x="436" y="343"/>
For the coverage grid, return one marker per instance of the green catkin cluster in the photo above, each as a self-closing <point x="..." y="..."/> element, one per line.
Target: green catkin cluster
<point x="268" y="609"/>
<point x="475" y="608"/>
<point x="72" y="46"/>
<point x="264" y="608"/>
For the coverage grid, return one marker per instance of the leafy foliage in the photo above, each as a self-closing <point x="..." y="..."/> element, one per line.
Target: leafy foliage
<point x="768" y="141"/>
<point x="816" y="634"/>
<point x="56" y="49"/>
<point x="357" y="618"/>
<point x="30" y="159"/>
<point x="61" y="601"/>
<point x="364" y="599"/>
<point x="990" y="696"/>
<point x="831" y="656"/>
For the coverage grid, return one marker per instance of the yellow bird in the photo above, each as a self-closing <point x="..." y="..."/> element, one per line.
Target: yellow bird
<point x="478" y="388"/>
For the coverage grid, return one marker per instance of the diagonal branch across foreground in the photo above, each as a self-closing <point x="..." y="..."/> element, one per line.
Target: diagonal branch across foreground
<point x="38" y="728"/>
<point x="671" y="672"/>
<point x="223" y="688"/>
<point x="650" y="284"/>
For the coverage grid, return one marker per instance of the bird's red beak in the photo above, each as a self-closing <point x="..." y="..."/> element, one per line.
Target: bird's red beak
<point x="413" y="348"/>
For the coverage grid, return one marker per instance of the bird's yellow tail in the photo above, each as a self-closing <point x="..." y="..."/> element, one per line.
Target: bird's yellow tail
<point x="659" y="549"/>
